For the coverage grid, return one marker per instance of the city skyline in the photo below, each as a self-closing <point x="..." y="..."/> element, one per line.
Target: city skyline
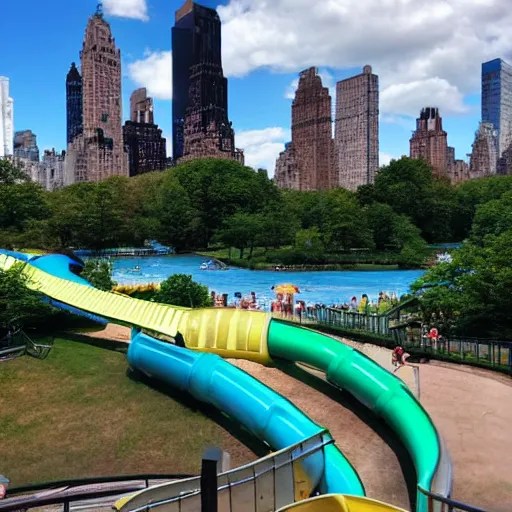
<point x="262" y="124"/>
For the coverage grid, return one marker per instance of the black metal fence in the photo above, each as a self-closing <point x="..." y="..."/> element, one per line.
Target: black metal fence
<point x="380" y="329"/>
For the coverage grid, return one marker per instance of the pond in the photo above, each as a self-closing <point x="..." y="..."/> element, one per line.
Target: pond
<point x="319" y="287"/>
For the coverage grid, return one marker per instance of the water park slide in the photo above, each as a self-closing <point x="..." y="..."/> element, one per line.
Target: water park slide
<point x="255" y="336"/>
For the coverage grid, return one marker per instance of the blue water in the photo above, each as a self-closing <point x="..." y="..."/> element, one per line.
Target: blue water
<point x="316" y="287"/>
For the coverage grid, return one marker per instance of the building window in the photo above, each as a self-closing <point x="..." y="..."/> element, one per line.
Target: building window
<point x="104" y="117"/>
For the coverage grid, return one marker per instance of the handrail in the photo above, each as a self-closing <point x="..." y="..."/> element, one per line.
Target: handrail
<point x="76" y="482"/>
<point x="251" y="472"/>
<point x="451" y="504"/>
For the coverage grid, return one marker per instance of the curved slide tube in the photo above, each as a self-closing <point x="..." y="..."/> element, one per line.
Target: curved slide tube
<point x="262" y="411"/>
<point x="373" y="386"/>
<point x="235" y="333"/>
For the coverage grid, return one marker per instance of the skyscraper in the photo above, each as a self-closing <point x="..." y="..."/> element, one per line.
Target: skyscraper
<point x="73" y="103"/>
<point x="201" y="125"/>
<point x="142" y="138"/>
<point x="497" y="100"/>
<point x="312" y="145"/>
<point x="25" y="146"/>
<point x="98" y="152"/>
<point x="6" y="119"/>
<point x="356" y="135"/>
<point x="484" y="155"/>
<point x="429" y="140"/>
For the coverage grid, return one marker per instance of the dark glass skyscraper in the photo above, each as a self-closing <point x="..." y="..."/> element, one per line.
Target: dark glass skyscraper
<point x="497" y="100"/>
<point x="196" y="48"/>
<point x="74" y="103"/>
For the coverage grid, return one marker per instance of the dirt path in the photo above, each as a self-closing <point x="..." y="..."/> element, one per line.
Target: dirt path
<point x="470" y="407"/>
<point x="472" y="410"/>
<point x="369" y="452"/>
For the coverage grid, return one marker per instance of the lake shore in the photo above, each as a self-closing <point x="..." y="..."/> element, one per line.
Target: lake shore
<point x="276" y="267"/>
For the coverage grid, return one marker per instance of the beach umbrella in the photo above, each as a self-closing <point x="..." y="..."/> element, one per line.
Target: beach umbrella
<point x="286" y="289"/>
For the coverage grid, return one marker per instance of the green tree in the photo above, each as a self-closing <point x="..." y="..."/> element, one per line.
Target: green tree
<point x="19" y="305"/>
<point x="99" y="273"/>
<point x="241" y="230"/>
<point x="346" y="224"/>
<point x="390" y="230"/>
<point x="492" y="218"/>
<point x="407" y="186"/>
<point x="471" y="295"/>
<point x="181" y="290"/>
<point x="309" y="244"/>
<point x="179" y="221"/>
<point x="10" y="174"/>
<point x="21" y="203"/>
<point x="277" y="229"/>
<point x="218" y="189"/>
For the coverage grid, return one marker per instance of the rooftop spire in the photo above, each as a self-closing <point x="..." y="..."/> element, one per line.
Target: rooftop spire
<point x="99" y="10"/>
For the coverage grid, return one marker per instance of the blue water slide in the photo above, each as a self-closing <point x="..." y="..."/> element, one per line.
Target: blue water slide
<point x="266" y="414"/>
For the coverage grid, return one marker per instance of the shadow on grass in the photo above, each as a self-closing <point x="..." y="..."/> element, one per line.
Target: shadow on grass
<point x="376" y="423"/>
<point x="233" y="427"/>
<point x="104" y="343"/>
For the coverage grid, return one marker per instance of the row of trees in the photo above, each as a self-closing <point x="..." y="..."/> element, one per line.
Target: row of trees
<point x="471" y="295"/>
<point x="207" y="201"/>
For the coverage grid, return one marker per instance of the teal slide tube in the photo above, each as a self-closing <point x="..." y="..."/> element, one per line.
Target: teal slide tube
<point x="262" y="411"/>
<point x="375" y="387"/>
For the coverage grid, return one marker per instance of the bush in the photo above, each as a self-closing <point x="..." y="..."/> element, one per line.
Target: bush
<point x="19" y="306"/>
<point x="99" y="274"/>
<point x="180" y="290"/>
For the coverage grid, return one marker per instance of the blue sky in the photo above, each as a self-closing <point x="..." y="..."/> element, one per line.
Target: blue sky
<point x="265" y="45"/>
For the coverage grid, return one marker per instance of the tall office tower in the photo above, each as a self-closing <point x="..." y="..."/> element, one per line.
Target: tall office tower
<point x="356" y="136"/>
<point x="429" y="141"/>
<point x="497" y="100"/>
<point x="25" y="145"/>
<point x="98" y="152"/>
<point x="312" y="147"/>
<point x="484" y="156"/>
<point x="142" y="138"/>
<point x="6" y="119"/>
<point x="201" y="126"/>
<point x="73" y="103"/>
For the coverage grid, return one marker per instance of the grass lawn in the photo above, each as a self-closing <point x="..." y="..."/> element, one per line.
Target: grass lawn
<point x="78" y="414"/>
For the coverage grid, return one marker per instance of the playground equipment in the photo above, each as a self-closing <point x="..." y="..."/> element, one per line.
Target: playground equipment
<point x="18" y="343"/>
<point x="254" y="336"/>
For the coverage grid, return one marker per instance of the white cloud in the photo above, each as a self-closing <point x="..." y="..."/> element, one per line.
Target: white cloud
<point x="154" y="72"/>
<point x="136" y="9"/>
<point x="407" y="99"/>
<point x="327" y="81"/>
<point x="262" y="147"/>
<point x="420" y="48"/>
<point x="385" y="158"/>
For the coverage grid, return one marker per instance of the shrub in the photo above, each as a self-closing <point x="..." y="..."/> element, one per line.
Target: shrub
<point x="180" y="290"/>
<point x="99" y="274"/>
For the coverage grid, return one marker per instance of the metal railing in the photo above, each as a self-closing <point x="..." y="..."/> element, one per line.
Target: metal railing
<point x="266" y="484"/>
<point x="66" y="492"/>
<point x="437" y="503"/>
<point x="489" y="353"/>
<point x="18" y="343"/>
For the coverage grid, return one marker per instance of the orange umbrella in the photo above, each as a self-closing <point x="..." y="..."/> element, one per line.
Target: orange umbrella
<point x="286" y="289"/>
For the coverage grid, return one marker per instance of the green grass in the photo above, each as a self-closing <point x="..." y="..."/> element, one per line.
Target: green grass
<point x="77" y="414"/>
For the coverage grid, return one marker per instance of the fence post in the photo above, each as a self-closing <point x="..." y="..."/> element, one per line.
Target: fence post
<point x="211" y="457"/>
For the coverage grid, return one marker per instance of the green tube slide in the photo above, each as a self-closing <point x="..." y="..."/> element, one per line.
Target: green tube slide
<point x="375" y="387"/>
